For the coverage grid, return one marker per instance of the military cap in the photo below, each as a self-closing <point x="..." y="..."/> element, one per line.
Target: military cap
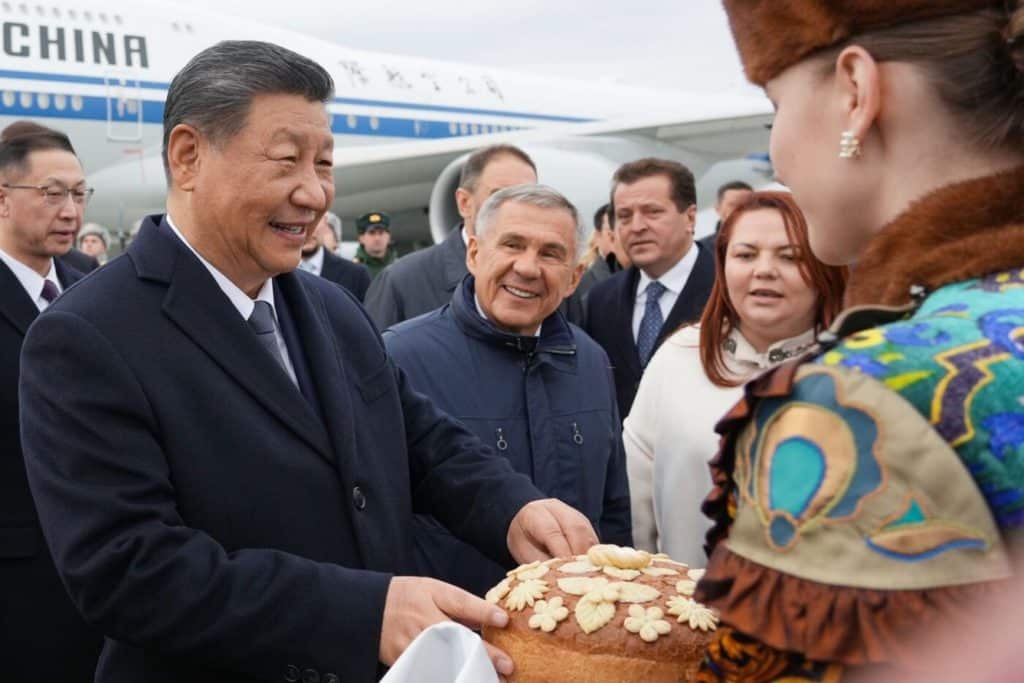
<point x="375" y="220"/>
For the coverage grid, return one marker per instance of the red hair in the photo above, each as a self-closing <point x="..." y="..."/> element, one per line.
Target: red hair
<point x="720" y="317"/>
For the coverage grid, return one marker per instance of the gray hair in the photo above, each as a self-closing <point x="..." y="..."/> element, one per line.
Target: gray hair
<point x="335" y="222"/>
<point x="215" y="89"/>
<point x="540" y="196"/>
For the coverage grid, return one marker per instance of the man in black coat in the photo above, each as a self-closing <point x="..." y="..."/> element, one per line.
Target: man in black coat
<point x="42" y="635"/>
<point x="79" y="260"/>
<point x="224" y="458"/>
<point x="318" y="260"/>
<point x="631" y="313"/>
<point x="425" y="279"/>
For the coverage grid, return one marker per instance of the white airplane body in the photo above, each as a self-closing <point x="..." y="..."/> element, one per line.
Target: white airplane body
<point x="99" y="71"/>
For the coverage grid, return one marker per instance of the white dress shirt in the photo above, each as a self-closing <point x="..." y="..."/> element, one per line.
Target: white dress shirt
<point x="674" y="280"/>
<point x="315" y="263"/>
<point x="241" y="301"/>
<point x="31" y="280"/>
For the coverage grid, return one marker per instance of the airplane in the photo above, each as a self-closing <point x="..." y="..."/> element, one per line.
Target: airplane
<point x="99" y="71"/>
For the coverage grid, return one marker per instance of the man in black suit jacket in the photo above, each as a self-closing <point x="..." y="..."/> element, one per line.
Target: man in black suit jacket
<point x="318" y="260"/>
<point x="631" y="313"/>
<point x="425" y="279"/>
<point x="43" y="636"/>
<point x="224" y="457"/>
<point x="80" y="261"/>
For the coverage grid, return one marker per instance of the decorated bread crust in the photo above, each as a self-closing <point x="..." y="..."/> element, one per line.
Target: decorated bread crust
<point x="613" y="607"/>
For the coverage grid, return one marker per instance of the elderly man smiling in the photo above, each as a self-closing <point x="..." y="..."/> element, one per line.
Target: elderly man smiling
<point x="504" y="361"/>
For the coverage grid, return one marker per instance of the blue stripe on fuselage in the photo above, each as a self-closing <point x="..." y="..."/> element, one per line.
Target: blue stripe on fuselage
<point x="352" y="101"/>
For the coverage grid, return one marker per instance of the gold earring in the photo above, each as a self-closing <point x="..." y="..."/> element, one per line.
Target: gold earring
<point x="849" y="145"/>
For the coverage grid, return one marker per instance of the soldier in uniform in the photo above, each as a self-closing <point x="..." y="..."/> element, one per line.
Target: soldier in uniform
<point x="375" y="249"/>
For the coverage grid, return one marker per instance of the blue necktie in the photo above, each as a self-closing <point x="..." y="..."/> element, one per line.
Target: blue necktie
<point x="650" y="324"/>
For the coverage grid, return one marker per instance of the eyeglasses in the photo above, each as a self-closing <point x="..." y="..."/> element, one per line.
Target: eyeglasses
<point x="56" y="195"/>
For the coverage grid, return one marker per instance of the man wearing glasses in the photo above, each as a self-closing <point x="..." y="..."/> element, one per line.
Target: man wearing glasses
<point x="42" y="198"/>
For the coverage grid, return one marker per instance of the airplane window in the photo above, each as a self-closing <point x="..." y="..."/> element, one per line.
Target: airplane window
<point x="188" y="28"/>
<point x="352" y="121"/>
<point x="43" y="100"/>
<point x="72" y="14"/>
<point x="464" y="128"/>
<point x="6" y="6"/>
<point x="24" y="8"/>
<point x="476" y="129"/>
<point x="7" y="97"/>
<point x="76" y="102"/>
<point x="25" y="99"/>
<point x="374" y="122"/>
<point x="40" y="10"/>
<point x="117" y="18"/>
<point x="174" y="25"/>
<point x="56" y="12"/>
<point x="60" y="102"/>
<point x="452" y="128"/>
<point x="87" y="15"/>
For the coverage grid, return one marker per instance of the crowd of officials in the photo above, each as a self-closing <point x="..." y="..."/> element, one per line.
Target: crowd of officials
<point x="232" y="455"/>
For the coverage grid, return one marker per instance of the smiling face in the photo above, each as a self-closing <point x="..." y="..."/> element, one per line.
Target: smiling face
<point x="524" y="265"/>
<point x="254" y="199"/>
<point x="654" y="233"/>
<point x="764" y="282"/>
<point x="31" y="230"/>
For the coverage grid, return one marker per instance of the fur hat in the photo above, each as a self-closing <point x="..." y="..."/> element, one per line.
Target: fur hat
<point x="772" y="35"/>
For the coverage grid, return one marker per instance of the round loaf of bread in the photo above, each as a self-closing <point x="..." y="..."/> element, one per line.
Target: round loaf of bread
<point x="612" y="615"/>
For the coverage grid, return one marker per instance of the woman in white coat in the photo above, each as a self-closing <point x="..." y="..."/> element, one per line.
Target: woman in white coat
<point x="771" y="297"/>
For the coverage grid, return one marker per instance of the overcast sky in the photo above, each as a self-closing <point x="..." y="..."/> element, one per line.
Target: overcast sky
<point x="670" y="43"/>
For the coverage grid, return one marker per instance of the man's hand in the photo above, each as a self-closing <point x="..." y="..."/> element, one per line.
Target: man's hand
<point x="549" y="528"/>
<point x="414" y="603"/>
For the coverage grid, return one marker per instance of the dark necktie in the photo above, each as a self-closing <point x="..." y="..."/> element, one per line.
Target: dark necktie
<point x="263" y="323"/>
<point x="650" y="324"/>
<point x="49" y="292"/>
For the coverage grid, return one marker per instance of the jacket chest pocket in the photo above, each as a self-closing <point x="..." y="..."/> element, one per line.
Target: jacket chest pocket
<point x="583" y="443"/>
<point x="508" y="437"/>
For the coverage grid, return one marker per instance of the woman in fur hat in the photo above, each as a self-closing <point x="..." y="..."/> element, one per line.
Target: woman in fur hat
<point x="878" y="485"/>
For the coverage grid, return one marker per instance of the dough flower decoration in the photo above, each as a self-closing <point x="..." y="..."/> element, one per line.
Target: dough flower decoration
<point x="689" y="611"/>
<point x="534" y="570"/>
<point x="686" y="587"/>
<point x="547" y="614"/>
<point x="647" y="623"/>
<point x="526" y="593"/>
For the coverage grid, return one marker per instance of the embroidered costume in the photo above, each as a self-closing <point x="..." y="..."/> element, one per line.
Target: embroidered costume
<point x="878" y="484"/>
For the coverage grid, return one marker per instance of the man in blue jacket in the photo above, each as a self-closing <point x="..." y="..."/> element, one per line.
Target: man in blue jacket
<point x="503" y="360"/>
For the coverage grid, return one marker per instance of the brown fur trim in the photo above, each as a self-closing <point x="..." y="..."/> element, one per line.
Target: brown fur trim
<point x="772" y="35"/>
<point x="963" y="231"/>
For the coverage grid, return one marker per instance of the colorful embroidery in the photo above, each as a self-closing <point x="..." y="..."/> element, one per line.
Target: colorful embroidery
<point x="913" y="536"/>
<point x="812" y="460"/>
<point x="960" y="361"/>
<point x="1001" y="282"/>
<point x="732" y="656"/>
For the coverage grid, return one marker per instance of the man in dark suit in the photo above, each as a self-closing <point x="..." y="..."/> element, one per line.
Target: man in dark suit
<point x="318" y="260"/>
<point x="79" y="260"/>
<point x="654" y="209"/>
<point x="42" y="197"/>
<point x="425" y="279"/>
<point x="224" y="457"/>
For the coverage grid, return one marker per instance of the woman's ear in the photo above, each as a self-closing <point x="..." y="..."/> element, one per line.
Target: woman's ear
<point x="858" y="82"/>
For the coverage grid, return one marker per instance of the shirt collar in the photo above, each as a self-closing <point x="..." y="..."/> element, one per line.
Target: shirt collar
<point x="675" y="277"/>
<point x="738" y="349"/>
<point x="239" y="299"/>
<point x="316" y="260"/>
<point x="30" y="279"/>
